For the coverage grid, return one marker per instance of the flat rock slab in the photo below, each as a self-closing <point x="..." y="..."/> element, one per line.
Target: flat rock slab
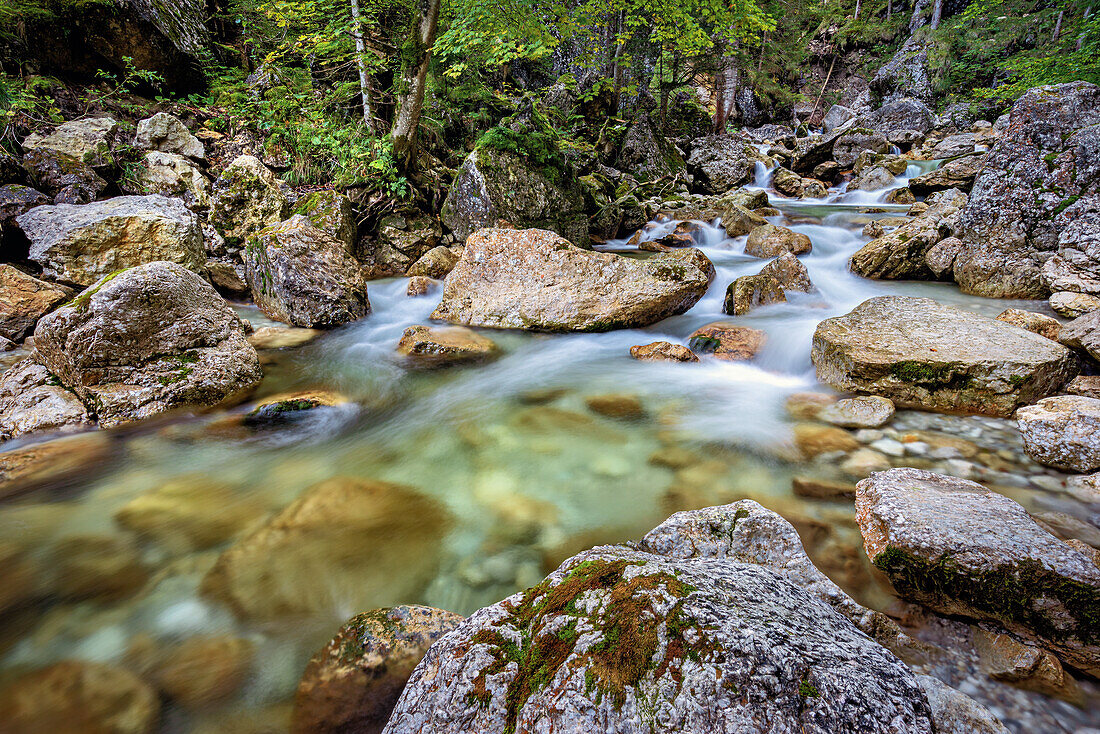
<point x="536" y="280"/>
<point x="870" y="411"/>
<point x="442" y="346"/>
<point x="958" y="548"/>
<point x="1063" y="432"/>
<point x="924" y="355"/>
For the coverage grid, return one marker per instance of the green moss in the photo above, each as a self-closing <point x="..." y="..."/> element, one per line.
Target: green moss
<point x="923" y="373"/>
<point x="807" y="689"/>
<point x="182" y="369"/>
<point x="1020" y="592"/>
<point x="81" y="302"/>
<point x="1065" y="204"/>
<point x="532" y="139"/>
<point x="628" y="623"/>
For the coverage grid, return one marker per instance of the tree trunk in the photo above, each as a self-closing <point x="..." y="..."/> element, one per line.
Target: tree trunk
<point x="361" y="62"/>
<point x="725" y="87"/>
<point x="1081" y="38"/>
<point x="889" y="9"/>
<point x="856" y="16"/>
<point x="937" y="11"/>
<point x="916" y="20"/>
<point x="1057" y="27"/>
<point x="416" y="79"/>
<point x="616" y="65"/>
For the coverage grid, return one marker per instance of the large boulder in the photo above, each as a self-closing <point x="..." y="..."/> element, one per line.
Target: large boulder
<point x="902" y="253"/>
<point x="305" y="277"/>
<point x="24" y="299"/>
<point x="772" y="240"/>
<point x="353" y="683"/>
<point x="1083" y="333"/>
<point x="960" y="549"/>
<point x="31" y="401"/>
<point x="715" y="622"/>
<point x="494" y="186"/>
<point x="1032" y="218"/>
<point x="120" y="35"/>
<point x="167" y="134"/>
<point x="719" y="163"/>
<point x="901" y="114"/>
<point x="245" y="198"/>
<point x="533" y="279"/>
<point x="89" y="141"/>
<point x="924" y="355"/>
<point x="81" y="243"/>
<point x="647" y="155"/>
<point x="147" y="340"/>
<point x="1062" y="431"/>
<point x="345" y="543"/>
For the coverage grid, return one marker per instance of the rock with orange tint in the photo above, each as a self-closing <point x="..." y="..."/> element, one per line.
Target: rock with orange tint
<point x="662" y="352"/>
<point x="203" y="671"/>
<point x="351" y="685"/>
<point x="345" y="543"/>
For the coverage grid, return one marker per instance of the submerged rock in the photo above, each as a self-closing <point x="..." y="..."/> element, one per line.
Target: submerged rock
<point x="204" y="671"/>
<point x="344" y="543"/>
<point x="958" y="548"/>
<point x="924" y="355"/>
<point x="870" y="411"/>
<point x="668" y="633"/>
<point x="353" y="683"/>
<point x="82" y="243"/>
<point x="52" y="462"/>
<point x="533" y="279"/>
<point x="147" y="340"/>
<point x="303" y="276"/>
<point x="24" y="299"/>
<point x="1063" y="432"/>
<point x="785" y="273"/>
<point x="74" y="696"/>
<point x="662" y="352"/>
<point x="444" y="346"/>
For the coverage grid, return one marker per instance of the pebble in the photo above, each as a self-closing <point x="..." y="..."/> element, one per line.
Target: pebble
<point x="916" y="448"/>
<point x="889" y="446"/>
<point x="945" y="452"/>
<point x="868" y="435"/>
<point x="1049" y="483"/>
<point x="864" y="462"/>
<point x="959" y="468"/>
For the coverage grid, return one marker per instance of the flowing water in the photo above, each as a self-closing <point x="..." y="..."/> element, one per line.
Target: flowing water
<point x="520" y="473"/>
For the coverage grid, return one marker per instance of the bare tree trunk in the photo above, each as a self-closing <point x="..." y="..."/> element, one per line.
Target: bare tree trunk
<point x="725" y="86"/>
<point x="856" y="16"/>
<point x="361" y="61"/>
<point x="416" y="79"/>
<point x="916" y="20"/>
<point x="1081" y="38"/>
<point x="889" y="9"/>
<point x="616" y="64"/>
<point x="1057" y="27"/>
<point x="937" y="11"/>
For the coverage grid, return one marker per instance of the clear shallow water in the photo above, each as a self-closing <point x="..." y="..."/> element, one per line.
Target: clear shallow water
<point x="527" y="473"/>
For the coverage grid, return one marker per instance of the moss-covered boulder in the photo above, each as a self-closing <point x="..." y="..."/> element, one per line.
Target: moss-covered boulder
<point x="666" y="636"/>
<point x="331" y="212"/>
<point x="171" y="174"/>
<point x="301" y="275"/>
<point x="500" y="181"/>
<point x="245" y="198"/>
<point x="647" y="155"/>
<point x="903" y="252"/>
<point x="147" y="340"/>
<point x="89" y="141"/>
<point x="81" y="243"/>
<point x="958" y="548"/>
<point x="924" y="355"/>
<point x="353" y="683"/>
<point x="533" y="279"/>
